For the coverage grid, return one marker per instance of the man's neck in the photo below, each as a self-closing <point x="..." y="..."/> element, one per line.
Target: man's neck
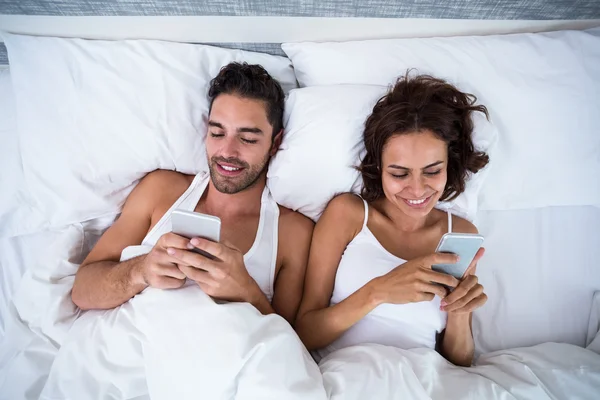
<point x="222" y="205"/>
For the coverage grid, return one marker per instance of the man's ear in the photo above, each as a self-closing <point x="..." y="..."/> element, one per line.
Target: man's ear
<point x="276" y="143"/>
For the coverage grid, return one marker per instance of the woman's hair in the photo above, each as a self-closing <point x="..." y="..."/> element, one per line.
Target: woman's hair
<point x="417" y="104"/>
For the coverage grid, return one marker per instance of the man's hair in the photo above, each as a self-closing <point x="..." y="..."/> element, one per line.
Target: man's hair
<point x="417" y="104"/>
<point x="251" y="82"/>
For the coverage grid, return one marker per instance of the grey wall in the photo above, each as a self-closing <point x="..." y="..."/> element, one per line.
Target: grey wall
<point x="454" y="9"/>
<point x="469" y="9"/>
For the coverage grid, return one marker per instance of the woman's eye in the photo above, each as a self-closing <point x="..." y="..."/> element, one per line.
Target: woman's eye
<point x="433" y="173"/>
<point x="399" y="176"/>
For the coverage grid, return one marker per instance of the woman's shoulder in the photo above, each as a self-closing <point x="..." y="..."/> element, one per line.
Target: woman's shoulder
<point x="461" y="225"/>
<point x="346" y="209"/>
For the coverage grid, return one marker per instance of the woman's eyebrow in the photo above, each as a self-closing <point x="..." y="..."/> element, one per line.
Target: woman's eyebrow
<point x="408" y="169"/>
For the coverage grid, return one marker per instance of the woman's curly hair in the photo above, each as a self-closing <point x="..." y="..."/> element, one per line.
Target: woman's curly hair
<point x="423" y="103"/>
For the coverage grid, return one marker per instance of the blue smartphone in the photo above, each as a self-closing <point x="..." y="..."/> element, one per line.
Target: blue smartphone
<point x="465" y="245"/>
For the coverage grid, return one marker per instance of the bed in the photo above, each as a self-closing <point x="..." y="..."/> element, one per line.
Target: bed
<point x="538" y="335"/>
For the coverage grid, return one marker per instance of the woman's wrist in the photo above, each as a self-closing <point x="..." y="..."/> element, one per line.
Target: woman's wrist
<point x="374" y="297"/>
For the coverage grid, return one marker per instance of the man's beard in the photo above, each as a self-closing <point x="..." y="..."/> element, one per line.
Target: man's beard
<point x="231" y="185"/>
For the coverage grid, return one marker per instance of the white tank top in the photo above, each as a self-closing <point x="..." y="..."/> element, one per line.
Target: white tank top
<point x="406" y="326"/>
<point x="260" y="260"/>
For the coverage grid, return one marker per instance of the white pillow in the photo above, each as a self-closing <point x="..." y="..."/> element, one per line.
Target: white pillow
<point x="95" y="116"/>
<point x="11" y="172"/>
<point x="541" y="91"/>
<point x="323" y="142"/>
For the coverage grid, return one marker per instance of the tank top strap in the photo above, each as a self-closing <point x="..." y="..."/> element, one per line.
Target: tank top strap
<point x="449" y="221"/>
<point x="187" y="201"/>
<point x="366" y="219"/>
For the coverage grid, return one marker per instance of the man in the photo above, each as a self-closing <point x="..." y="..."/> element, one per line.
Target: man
<point x="263" y="253"/>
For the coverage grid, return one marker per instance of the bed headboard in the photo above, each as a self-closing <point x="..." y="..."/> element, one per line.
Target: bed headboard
<point x="261" y="25"/>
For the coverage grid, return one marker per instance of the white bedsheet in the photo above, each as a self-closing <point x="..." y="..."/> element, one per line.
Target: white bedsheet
<point x="41" y="315"/>
<point x="548" y="371"/>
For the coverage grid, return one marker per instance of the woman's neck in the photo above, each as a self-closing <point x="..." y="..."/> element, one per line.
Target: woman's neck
<point x="402" y="221"/>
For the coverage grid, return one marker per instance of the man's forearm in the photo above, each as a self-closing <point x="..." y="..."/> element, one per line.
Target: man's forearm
<point x="457" y="345"/>
<point x="260" y="301"/>
<point x="107" y="284"/>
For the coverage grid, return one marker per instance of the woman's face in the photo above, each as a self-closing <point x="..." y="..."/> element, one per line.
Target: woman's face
<point x="414" y="171"/>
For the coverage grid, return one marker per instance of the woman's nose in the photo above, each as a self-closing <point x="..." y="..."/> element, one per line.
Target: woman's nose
<point x="417" y="187"/>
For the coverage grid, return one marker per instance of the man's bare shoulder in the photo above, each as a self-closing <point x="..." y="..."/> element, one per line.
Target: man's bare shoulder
<point x="159" y="187"/>
<point x="292" y="222"/>
<point x="294" y="237"/>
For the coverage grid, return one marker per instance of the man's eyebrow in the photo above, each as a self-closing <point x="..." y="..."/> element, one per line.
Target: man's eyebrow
<point x="244" y="129"/>
<point x="250" y="130"/>
<point x="215" y="124"/>
<point x="408" y="169"/>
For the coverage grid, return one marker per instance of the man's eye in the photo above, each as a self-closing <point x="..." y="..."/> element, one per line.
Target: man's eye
<point x="216" y="135"/>
<point x="249" y="141"/>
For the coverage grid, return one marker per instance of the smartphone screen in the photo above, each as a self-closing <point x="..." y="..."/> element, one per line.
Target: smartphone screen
<point x="465" y="245"/>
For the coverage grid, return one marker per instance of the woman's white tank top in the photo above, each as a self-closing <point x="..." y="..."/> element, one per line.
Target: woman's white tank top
<point x="406" y="326"/>
<point x="260" y="260"/>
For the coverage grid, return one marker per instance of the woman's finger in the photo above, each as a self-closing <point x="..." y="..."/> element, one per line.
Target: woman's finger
<point x="473" y="266"/>
<point x="476" y="291"/>
<point x="427" y="287"/>
<point x="473" y="304"/>
<point x="461" y="290"/>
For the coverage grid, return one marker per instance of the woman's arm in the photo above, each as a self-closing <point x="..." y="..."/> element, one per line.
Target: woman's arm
<point x="318" y="324"/>
<point x="457" y="343"/>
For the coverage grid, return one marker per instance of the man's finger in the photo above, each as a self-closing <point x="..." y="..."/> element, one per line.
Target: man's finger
<point x="170" y="270"/>
<point x="440" y="277"/>
<point x="173" y="240"/>
<point x="196" y="274"/>
<point x="167" y="282"/>
<point x="216" y="249"/>
<point x="461" y="290"/>
<point x="186" y="257"/>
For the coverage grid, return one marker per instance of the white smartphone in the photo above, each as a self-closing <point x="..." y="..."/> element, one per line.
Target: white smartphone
<point x="465" y="245"/>
<point x="191" y="224"/>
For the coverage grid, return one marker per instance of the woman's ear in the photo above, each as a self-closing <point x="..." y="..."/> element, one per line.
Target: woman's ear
<point x="276" y="143"/>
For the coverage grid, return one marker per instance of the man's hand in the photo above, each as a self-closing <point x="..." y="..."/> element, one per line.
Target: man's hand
<point x="158" y="269"/>
<point x="224" y="278"/>
<point x="468" y="295"/>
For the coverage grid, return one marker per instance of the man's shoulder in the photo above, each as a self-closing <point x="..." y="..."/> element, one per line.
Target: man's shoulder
<point x="160" y="186"/>
<point x="161" y="178"/>
<point x="293" y="221"/>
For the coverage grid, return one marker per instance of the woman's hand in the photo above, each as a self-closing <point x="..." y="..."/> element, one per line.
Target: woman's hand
<point x="468" y="295"/>
<point x="414" y="281"/>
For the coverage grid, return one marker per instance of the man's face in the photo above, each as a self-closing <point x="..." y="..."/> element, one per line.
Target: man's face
<point x="238" y="143"/>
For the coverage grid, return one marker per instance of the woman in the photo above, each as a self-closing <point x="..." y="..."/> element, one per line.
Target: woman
<point x="359" y="288"/>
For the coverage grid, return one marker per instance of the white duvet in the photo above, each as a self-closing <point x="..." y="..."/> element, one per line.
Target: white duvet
<point x="180" y="344"/>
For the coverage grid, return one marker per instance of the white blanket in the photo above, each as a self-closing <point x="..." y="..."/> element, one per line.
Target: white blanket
<point x="180" y="344"/>
<point x="547" y="371"/>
